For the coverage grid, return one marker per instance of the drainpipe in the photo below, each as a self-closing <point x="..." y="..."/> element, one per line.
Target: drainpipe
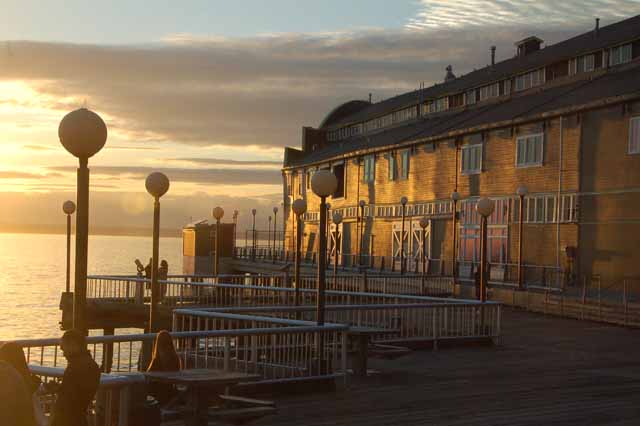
<point x="559" y="195"/>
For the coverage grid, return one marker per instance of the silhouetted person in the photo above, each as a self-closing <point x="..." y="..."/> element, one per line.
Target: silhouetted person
<point x="16" y="406"/>
<point x="79" y="383"/>
<point x="13" y="355"/>
<point x="163" y="273"/>
<point x="165" y="358"/>
<point x="139" y="268"/>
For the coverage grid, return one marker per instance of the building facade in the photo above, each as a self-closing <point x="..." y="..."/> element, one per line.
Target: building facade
<point x="562" y="121"/>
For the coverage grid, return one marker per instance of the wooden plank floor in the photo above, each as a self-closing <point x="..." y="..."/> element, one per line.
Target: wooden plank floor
<point x="546" y="371"/>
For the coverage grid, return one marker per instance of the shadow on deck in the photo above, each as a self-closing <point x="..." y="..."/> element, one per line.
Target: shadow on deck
<point x="547" y="370"/>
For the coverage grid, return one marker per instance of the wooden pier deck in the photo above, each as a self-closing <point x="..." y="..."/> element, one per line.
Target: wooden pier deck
<point x="546" y="371"/>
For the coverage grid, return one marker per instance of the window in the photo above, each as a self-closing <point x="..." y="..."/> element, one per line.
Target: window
<point x="369" y="169"/>
<point x="404" y="164"/>
<point x="529" y="150"/>
<point x="300" y="183"/>
<point x="634" y="135"/>
<point x="393" y="166"/>
<point x="620" y="55"/>
<point x="338" y="171"/>
<point x="529" y="80"/>
<point x="582" y="64"/>
<point x="470" y="97"/>
<point x="471" y="159"/>
<point x="309" y="174"/>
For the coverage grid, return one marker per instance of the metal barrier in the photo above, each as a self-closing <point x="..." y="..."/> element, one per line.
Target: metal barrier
<point x="395" y="322"/>
<point x="255" y="348"/>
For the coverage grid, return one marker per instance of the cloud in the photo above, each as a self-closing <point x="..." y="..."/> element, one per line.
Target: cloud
<point x="196" y="176"/>
<point x="9" y="174"/>
<point x="226" y="162"/>
<point x="38" y="147"/>
<point x="132" y="210"/>
<point x="256" y="93"/>
<point x="442" y="14"/>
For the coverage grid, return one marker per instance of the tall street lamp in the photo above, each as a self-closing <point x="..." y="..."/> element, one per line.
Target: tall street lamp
<point x="522" y="192"/>
<point x="485" y="208"/>
<point x="253" y="232"/>
<point x="323" y="184"/>
<point x="424" y="222"/>
<point x="455" y="197"/>
<point x="217" y="213"/>
<point x="403" y="201"/>
<point x="269" y="234"/>
<point x="68" y="207"/>
<point x="275" y="233"/>
<point x="361" y="204"/>
<point x="299" y="208"/>
<point x="235" y="227"/>
<point x="337" y="220"/>
<point x="157" y="185"/>
<point x="82" y="133"/>
<point x="328" y="217"/>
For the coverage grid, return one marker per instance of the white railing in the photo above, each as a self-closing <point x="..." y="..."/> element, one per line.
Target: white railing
<point x="248" y="349"/>
<point x="396" y="322"/>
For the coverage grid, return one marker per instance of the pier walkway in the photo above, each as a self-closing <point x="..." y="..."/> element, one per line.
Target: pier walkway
<point x="547" y="371"/>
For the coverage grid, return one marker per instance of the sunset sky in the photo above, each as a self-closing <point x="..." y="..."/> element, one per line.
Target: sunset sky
<point x="210" y="92"/>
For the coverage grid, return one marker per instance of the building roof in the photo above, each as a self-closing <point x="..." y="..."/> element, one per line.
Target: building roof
<point x="590" y="41"/>
<point x="610" y="85"/>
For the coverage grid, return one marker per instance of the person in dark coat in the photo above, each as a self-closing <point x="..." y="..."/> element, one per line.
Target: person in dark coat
<point x="79" y="383"/>
<point x="16" y="407"/>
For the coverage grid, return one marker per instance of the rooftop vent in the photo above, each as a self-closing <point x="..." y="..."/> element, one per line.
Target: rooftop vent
<point x="493" y="55"/>
<point x="450" y="75"/>
<point x="597" y="29"/>
<point x="528" y="46"/>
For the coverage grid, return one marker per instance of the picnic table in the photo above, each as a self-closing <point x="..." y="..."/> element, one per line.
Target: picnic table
<point x="360" y="338"/>
<point x="201" y="384"/>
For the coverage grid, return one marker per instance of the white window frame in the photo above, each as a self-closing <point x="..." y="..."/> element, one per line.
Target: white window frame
<point x="523" y="141"/>
<point x="470" y="97"/>
<point x="634" y="150"/>
<point x="369" y="169"/>
<point x="465" y="152"/>
<point x="393" y="166"/>
<point x="403" y="172"/>
<point x="619" y="53"/>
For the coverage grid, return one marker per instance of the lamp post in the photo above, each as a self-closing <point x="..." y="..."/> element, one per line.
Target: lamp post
<point x="455" y="197"/>
<point x="299" y="208"/>
<point x="217" y="214"/>
<point x="269" y="234"/>
<point x="424" y="222"/>
<point x="327" y="233"/>
<point x="337" y="220"/>
<point x="235" y="227"/>
<point x="485" y="209"/>
<point x="253" y="232"/>
<point x="323" y="184"/>
<point x="68" y="207"/>
<point x="361" y="204"/>
<point x="83" y="134"/>
<point x="157" y="185"/>
<point x="522" y="192"/>
<point x="275" y="213"/>
<point x="403" y="201"/>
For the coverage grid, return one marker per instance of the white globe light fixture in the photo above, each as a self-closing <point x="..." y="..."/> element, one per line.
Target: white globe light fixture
<point x="69" y="207"/>
<point x="337" y="218"/>
<point x="218" y="213"/>
<point x="455" y="196"/>
<point x="83" y="133"/>
<point x="424" y="222"/>
<point x="404" y="201"/>
<point x="324" y="183"/>
<point x="157" y="184"/>
<point x="299" y="206"/>
<point x="362" y="203"/>
<point x="485" y="207"/>
<point x="522" y="191"/>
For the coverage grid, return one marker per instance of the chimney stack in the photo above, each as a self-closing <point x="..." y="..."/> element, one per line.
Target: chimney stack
<point x="493" y="55"/>
<point x="597" y="30"/>
<point x="369" y="97"/>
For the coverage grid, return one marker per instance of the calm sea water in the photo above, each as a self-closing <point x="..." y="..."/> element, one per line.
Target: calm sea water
<point x="33" y="269"/>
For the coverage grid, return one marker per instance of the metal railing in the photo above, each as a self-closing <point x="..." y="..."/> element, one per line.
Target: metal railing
<point x="256" y="348"/>
<point x="403" y="322"/>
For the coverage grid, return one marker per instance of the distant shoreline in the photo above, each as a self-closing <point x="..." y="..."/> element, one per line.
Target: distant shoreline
<point x="102" y="231"/>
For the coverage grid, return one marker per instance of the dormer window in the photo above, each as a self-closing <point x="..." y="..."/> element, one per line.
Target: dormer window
<point x="620" y="55"/>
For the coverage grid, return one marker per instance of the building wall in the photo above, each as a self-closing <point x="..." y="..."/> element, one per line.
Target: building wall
<point x="584" y="154"/>
<point x="610" y="182"/>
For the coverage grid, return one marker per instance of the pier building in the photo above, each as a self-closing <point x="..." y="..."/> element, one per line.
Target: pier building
<point x="559" y="121"/>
